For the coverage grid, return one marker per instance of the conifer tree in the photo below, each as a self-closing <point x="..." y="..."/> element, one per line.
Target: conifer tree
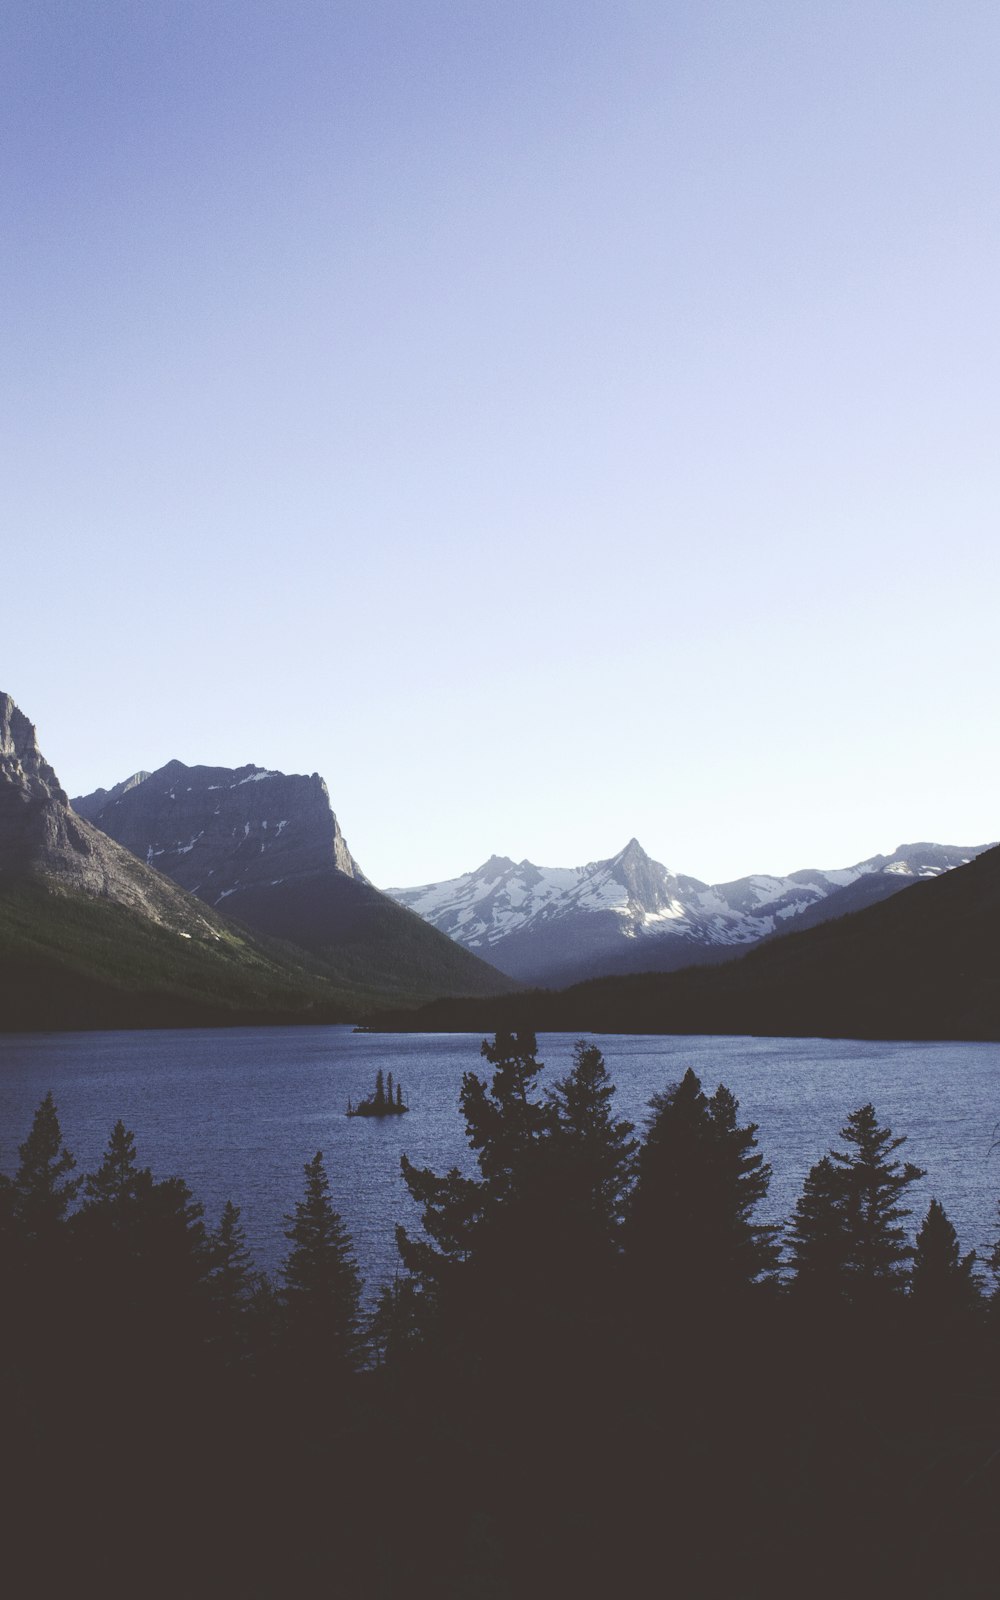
<point x="35" y="1208"/>
<point x="690" y="1235"/>
<point x="818" y="1234"/>
<point x="389" y="1096"/>
<point x="233" y="1280"/>
<point x="595" y="1153"/>
<point x="322" y="1290"/>
<point x="399" y="1096"/>
<point x="874" y="1184"/>
<point x="119" y="1184"/>
<point x="379" y="1089"/>
<point x="42" y="1190"/>
<point x="846" y="1233"/>
<point x="489" y="1224"/>
<point x="145" y="1240"/>
<point x="942" y="1281"/>
<point x="503" y="1120"/>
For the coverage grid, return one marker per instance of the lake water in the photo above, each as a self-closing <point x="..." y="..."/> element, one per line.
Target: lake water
<point x="238" y="1112"/>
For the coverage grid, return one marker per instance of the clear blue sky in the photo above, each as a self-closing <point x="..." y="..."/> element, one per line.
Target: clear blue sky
<point x="552" y="422"/>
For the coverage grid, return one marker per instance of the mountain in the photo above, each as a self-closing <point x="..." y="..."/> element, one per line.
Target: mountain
<point x="923" y="964"/>
<point x="221" y="832"/>
<point x="561" y="925"/>
<point x="266" y="849"/>
<point x="91" y="937"/>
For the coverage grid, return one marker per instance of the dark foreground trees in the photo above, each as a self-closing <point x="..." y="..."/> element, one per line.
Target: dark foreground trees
<point x="590" y="1381"/>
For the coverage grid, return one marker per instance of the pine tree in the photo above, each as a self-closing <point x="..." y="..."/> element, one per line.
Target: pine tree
<point x="42" y="1190"/>
<point x="144" y="1241"/>
<point x="504" y="1119"/>
<point x="322" y="1290"/>
<point x="119" y="1185"/>
<point x="690" y="1236"/>
<point x="379" y="1090"/>
<point x="943" y="1282"/>
<point x="389" y="1096"/>
<point x="595" y="1152"/>
<point x="38" y="1245"/>
<point x="234" y="1284"/>
<point x="399" y="1096"/>
<point x="483" y="1233"/>
<point x="818" y="1235"/>
<point x="873" y="1186"/>
<point x="846" y="1236"/>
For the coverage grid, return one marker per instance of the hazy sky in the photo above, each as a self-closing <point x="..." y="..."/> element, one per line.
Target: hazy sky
<point x="551" y="422"/>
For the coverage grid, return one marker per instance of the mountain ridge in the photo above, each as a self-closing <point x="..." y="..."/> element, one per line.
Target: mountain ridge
<point x="266" y="849"/>
<point x="922" y="964"/>
<point x="93" y="935"/>
<point x="555" y="926"/>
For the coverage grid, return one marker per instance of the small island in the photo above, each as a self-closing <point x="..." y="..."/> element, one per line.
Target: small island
<point x="387" y="1101"/>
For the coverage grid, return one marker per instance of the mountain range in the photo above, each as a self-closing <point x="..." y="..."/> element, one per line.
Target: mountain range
<point x="923" y="964"/>
<point x="212" y="895"/>
<point x="94" y="934"/>
<point x="554" y="926"/>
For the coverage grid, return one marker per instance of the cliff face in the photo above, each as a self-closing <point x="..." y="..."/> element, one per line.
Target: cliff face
<point x="34" y="812"/>
<point x="40" y="835"/>
<point x="266" y="849"/>
<point x="223" y="831"/>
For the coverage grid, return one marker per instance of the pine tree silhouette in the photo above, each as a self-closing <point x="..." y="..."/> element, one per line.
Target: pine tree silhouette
<point x="322" y="1289"/>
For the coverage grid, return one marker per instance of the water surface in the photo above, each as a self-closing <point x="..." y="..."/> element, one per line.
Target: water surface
<point x="237" y="1112"/>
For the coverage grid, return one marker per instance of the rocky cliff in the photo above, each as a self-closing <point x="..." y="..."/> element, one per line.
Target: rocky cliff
<point x="221" y="832"/>
<point x="41" y="835"/>
<point x="265" y="848"/>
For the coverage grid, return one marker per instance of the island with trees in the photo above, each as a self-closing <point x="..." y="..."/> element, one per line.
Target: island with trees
<point x="385" y="1101"/>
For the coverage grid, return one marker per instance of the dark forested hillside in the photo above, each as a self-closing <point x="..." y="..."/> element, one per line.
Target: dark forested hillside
<point x="68" y="961"/>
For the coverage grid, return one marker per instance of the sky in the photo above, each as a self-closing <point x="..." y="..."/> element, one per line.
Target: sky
<point x="552" y="422"/>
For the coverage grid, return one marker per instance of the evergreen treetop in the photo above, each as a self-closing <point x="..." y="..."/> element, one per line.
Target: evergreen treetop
<point x="942" y="1280"/>
<point x="700" y="1180"/>
<point x="42" y="1190"/>
<point x="846" y="1238"/>
<point x="322" y="1289"/>
<point x="596" y="1151"/>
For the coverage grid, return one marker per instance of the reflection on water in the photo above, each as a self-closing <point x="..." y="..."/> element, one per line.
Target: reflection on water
<point x="238" y="1112"/>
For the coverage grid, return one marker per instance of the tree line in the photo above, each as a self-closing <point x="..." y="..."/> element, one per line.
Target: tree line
<point x="593" y="1343"/>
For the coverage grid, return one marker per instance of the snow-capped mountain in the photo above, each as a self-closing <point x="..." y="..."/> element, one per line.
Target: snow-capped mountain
<point x="557" y="925"/>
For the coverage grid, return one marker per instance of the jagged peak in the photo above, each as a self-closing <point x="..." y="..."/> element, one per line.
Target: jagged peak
<point x="17" y="734"/>
<point x="21" y="761"/>
<point x="498" y="864"/>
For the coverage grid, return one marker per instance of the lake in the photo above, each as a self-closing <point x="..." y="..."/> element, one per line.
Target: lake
<point x="238" y="1112"/>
